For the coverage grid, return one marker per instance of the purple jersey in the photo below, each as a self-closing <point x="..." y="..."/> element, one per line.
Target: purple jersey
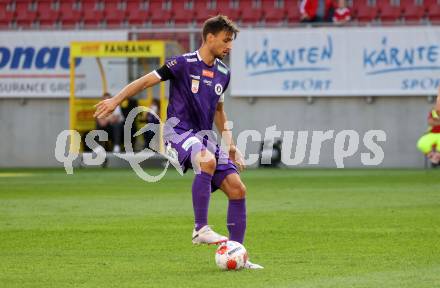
<point x="195" y="90"/>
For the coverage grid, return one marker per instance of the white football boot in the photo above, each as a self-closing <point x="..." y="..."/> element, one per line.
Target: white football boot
<point x="207" y="236"/>
<point x="250" y="265"/>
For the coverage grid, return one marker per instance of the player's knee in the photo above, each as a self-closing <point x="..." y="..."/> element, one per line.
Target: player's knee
<point x="206" y="161"/>
<point x="209" y="166"/>
<point x="237" y="191"/>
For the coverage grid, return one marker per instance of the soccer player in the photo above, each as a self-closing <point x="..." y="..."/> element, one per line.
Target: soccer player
<point x="197" y="84"/>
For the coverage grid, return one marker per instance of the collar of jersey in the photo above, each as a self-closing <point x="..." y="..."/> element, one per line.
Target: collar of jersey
<point x="201" y="60"/>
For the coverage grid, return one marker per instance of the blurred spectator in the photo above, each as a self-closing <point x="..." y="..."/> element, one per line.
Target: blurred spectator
<point x="437" y="105"/>
<point x="316" y="10"/>
<point x="150" y="118"/>
<point x="113" y="125"/>
<point x="126" y="106"/>
<point x="341" y="14"/>
<point x="429" y="144"/>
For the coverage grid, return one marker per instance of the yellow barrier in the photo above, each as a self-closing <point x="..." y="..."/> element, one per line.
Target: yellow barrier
<point x="81" y="110"/>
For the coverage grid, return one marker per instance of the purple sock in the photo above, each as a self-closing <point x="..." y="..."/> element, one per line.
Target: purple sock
<point x="201" y="193"/>
<point x="237" y="220"/>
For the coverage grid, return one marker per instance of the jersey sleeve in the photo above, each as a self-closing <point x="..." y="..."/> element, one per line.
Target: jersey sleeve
<point x="222" y="97"/>
<point x="172" y="68"/>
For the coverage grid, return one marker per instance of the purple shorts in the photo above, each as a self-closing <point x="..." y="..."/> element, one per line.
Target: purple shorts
<point x="191" y="144"/>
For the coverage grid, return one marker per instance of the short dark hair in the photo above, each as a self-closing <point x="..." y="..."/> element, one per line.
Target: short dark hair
<point x="217" y="24"/>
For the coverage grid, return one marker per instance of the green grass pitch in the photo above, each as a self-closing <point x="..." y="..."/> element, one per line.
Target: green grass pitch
<point x="309" y="228"/>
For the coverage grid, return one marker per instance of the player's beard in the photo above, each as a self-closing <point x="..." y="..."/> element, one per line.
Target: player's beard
<point x="219" y="56"/>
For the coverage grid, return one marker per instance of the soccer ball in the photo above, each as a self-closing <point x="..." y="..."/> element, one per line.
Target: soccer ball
<point x="231" y="255"/>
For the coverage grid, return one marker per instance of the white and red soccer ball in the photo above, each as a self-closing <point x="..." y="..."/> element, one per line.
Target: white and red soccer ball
<point x="231" y="255"/>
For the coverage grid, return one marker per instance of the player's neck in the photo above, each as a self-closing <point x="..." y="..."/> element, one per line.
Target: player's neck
<point x="206" y="55"/>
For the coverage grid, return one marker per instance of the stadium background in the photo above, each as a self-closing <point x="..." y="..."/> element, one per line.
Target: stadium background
<point x="29" y="126"/>
<point x="308" y="227"/>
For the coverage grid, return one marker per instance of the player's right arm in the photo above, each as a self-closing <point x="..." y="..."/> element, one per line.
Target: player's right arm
<point x="107" y="106"/>
<point x="169" y="70"/>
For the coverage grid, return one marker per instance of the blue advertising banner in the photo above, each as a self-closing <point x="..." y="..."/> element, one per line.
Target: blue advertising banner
<point x="349" y="61"/>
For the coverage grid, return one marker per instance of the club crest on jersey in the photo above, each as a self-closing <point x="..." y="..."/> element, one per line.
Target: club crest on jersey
<point x="195" y="85"/>
<point x="208" y="73"/>
<point x="218" y="88"/>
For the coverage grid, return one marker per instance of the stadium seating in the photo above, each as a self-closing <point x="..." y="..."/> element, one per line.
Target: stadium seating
<point x="70" y="14"/>
<point x="161" y="12"/>
<point x="230" y="8"/>
<point x="115" y="13"/>
<point x="137" y="13"/>
<point x="274" y="11"/>
<point x="433" y="10"/>
<point x="205" y="9"/>
<point x="140" y="13"/>
<point x="93" y="14"/>
<point x="47" y="13"/>
<point x="26" y="13"/>
<point x="390" y="11"/>
<point x="292" y="10"/>
<point x="183" y="12"/>
<point x="365" y="11"/>
<point x="6" y="15"/>
<point x="251" y="11"/>
<point x="414" y="10"/>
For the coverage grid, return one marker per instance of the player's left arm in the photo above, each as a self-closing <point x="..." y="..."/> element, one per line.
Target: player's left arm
<point x="220" y="120"/>
<point x="437" y="105"/>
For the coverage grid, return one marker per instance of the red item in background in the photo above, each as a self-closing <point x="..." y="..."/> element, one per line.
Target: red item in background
<point x="341" y="15"/>
<point x="310" y="7"/>
<point x="434" y="129"/>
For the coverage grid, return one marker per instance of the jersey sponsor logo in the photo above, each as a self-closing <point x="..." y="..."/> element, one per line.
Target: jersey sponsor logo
<point x="189" y="142"/>
<point x="207" y="82"/>
<point x="197" y="77"/>
<point x="222" y="69"/>
<point x="218" y="88"/>
<point x="195" y="85"/>
<point x="208" y="73"/>
<point x="171" y="63"/>
<point x="191" y="59"/>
